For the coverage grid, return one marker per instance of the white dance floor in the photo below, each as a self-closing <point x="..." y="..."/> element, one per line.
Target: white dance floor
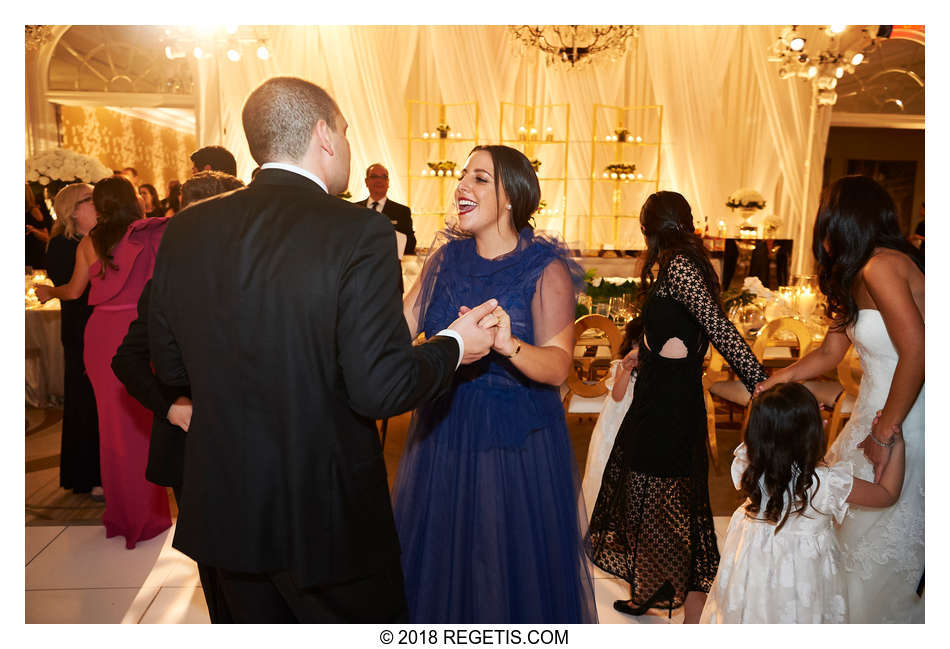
<point x="74" y="574"/>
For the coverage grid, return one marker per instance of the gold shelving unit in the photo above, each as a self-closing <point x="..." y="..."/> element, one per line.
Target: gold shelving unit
<point x="445" y="147"/>
<point x="622" y="153"/>
<point x="534" y="135"/>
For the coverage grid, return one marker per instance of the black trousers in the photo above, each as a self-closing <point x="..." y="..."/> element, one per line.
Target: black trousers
<point x="209" y="581"/>
<point x="276" y="598"/>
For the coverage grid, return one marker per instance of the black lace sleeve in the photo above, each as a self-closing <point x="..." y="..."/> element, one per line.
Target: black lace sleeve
<point x="684" y="283"/>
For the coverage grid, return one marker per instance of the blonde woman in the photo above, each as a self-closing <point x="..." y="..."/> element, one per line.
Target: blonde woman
<point x="79" y="453"/>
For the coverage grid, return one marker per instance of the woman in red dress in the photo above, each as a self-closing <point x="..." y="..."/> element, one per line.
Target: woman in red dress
<point x="117" y="259"/>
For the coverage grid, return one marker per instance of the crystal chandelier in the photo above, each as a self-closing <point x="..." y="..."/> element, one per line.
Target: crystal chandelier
<point x="822" y="54"/>
<point x="227" y="41"/>
<point x="575" y="44"/>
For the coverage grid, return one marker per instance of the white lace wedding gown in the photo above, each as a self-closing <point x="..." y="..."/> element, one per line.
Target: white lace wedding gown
<point x="883" y="549"/>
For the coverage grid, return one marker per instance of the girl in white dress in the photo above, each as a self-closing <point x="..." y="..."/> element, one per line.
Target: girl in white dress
<point x="620" y="383"/>
<point x="781" y="563"/>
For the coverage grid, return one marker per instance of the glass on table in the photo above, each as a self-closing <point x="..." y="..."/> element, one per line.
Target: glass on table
<point x="617" y="310"/>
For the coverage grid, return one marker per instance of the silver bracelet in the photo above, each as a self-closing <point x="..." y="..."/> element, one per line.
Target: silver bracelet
<point x="883" y="444"/>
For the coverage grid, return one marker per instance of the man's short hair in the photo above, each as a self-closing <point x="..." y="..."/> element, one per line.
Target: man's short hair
<point x="279" y="117"/>
<point x="219" y="158"/>
<point x="205" y="184"/>
<point x="376" y="164"/>
<point x="132" y="169"/>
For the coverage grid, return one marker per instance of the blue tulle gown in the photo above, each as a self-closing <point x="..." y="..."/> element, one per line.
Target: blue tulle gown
<point x="486" y="498"/>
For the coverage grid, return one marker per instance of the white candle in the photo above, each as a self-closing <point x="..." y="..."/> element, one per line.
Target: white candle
<point x="806" y="301"/>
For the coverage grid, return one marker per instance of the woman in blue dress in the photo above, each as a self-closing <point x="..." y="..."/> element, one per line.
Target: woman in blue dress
<point x="486" y="496"/>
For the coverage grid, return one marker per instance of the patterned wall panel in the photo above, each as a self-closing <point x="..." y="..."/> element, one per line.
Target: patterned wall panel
<point x="159" y="154"/>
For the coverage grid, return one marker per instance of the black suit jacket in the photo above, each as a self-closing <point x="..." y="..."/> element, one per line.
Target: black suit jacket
<point x="401" y="217"/>
<point x="132" y="366"/>
<point x="279" y="305"/>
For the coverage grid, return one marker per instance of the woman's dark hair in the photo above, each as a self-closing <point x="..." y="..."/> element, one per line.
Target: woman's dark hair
<point x="173" y="200"/>
<point x="631" y="335"/>
<point x="156" y="204"/>
<point x="785" y="440"/>
<point x="856" y="216"/>
<point x="667" y="222"/>
<point x="515" y="173"/>
<point x="117" y="205"/>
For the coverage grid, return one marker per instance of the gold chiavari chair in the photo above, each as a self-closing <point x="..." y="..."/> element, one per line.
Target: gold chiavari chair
<point x="586" y="395"/>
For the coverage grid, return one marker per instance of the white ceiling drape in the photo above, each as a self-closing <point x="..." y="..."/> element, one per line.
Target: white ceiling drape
<point x="728" y="120"/>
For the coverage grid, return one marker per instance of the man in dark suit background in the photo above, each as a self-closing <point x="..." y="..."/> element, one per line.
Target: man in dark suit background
<point x="377" y="182"/>
<point x="279" y="305"/>
<point x="213" y="158"/>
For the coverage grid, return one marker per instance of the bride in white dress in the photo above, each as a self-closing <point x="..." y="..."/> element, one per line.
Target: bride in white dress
<point x="874" y="282"/>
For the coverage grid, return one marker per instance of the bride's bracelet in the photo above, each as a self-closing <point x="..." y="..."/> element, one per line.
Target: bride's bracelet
<point x="884" y="444"/>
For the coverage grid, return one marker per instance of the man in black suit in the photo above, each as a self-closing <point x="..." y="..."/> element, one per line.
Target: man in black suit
<point x="377" y="182"/>
<point x="279" y="305"/>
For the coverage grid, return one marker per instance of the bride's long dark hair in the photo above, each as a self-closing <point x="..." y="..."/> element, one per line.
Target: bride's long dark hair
<point x="667" y="222"/>
<point x="856" y="216"/>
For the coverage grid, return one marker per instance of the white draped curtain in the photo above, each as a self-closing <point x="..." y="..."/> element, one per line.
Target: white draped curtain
<point x="728" y="120"/>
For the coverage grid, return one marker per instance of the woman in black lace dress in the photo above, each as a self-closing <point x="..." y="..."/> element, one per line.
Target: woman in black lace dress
<point x="652" y="524"/>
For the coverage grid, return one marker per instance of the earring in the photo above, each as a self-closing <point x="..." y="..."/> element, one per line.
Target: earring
<point x="509" y="206"/>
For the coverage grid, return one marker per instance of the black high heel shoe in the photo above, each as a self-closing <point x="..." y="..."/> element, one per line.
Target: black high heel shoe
<point x="664" y="593"/>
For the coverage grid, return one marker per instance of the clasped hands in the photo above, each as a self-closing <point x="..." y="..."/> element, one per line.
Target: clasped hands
<point x="484" y="328"/>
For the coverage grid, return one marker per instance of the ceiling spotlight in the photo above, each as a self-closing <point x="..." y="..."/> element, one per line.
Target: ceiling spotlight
<point x="857" y="58"/>
<point x="795" y="42"/>
<point x="262" y="53"/>
<point x="198" y="52"/>
<point x="231" y="29"/>
<point x="839" y="72"/>
<point x="837" y="29"/>
<point x="234" y="55"/>
<point x="812" y="71"/>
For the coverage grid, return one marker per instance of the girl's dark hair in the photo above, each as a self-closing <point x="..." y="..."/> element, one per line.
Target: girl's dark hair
<point x="117" y="205"/>
<point x="667" y="222"/>
<point x="156" y="204"/>
<point x="515" y="173"/>
<point x="785" y="441"/>
<point x="631" y="335"/>
<point x="856" y="216"/>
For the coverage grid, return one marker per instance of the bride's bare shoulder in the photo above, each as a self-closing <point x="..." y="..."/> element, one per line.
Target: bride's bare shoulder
<point x="889" y="260"/>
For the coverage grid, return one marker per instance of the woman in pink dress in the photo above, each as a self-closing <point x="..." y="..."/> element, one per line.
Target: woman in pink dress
<point x="117" y="258"/>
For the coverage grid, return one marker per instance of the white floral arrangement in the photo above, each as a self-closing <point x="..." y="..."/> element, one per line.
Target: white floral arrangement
<point x="771" y="224"/>
<point x="746" y="198"/>
<point x="754" y="285"/>
<point x="66" y="166"/>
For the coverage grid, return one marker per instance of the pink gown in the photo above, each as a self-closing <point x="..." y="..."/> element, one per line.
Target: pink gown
<point x="135" y="508"/>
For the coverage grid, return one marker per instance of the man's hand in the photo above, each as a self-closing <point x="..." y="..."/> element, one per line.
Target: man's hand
<point x="478" y="339"/>
<point x="179" y="414"/>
